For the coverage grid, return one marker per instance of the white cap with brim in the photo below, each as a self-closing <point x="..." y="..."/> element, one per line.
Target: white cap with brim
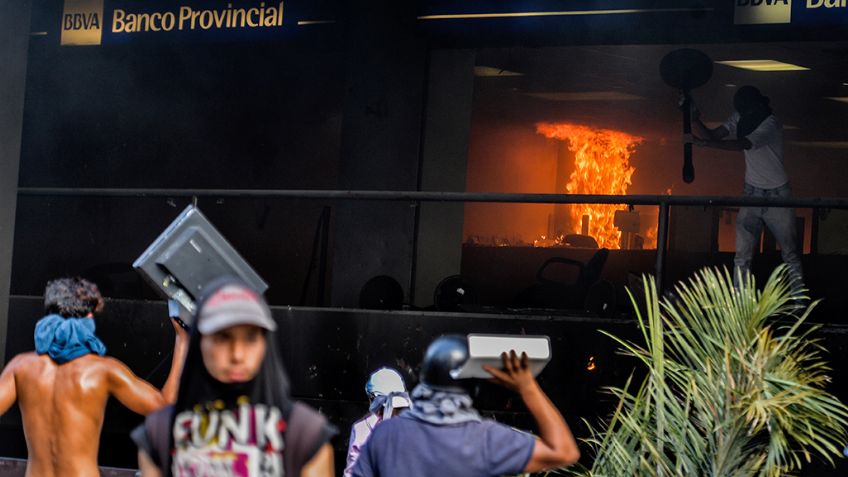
<point x="400" y="402"/>
<point x="385" y="381"/>
<point x="234" y="305"/>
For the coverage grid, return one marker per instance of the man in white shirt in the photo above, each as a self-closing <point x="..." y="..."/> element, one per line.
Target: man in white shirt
<point x="756" y="131"/>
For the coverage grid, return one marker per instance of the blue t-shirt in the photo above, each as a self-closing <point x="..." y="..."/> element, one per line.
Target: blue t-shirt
<point x="406" y="446"/>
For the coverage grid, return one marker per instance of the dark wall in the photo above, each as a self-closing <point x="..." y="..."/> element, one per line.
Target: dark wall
<point x="384" y="102"/>
<point x="227" y="112"/>
<point x="100" y="238"/>
<point x="497" y="275"/>
<point x="150" y="114"/>
<point x="14" y="38"/>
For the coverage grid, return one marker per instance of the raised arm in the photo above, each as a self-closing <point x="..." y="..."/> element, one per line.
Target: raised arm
<point x="702" y="131"/>
<point x="704" y="136"/>
<point x="137" y="394"/>
<point x="8" y="389"/>
<point x="556" y="446"/>
<point x="699" y="129"/>
<point x="321" y="464"/>
<point x="146" y="466"/>
<point x="740" y="144"/>
<point x="169" y="389"/>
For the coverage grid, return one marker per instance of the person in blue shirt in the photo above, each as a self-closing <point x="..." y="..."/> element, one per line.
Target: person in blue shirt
<point x="443" y="434"/>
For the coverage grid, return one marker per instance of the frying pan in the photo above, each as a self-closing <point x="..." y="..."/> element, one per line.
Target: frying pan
<point x="686" y="69"/>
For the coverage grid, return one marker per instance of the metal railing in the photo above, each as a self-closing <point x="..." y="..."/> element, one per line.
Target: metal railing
<point x="422" y="196"/>
<point x="664" y="202"/>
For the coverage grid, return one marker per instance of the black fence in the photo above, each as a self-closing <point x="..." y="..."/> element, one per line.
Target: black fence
<point x="664" y="202"/>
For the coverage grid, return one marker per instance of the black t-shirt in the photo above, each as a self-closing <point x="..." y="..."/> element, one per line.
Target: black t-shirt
<point x="252" y="440"/>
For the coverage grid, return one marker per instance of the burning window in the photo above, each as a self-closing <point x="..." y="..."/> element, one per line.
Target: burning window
<point x="601" y="166"/>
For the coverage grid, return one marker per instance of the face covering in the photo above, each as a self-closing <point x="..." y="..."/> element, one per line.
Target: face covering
<point x="385" y="404"/>
<point x="442" y="407"/>
<point x="753" y="109"/>
<point x="66" y="339"/>
<point x="229" y="429"/>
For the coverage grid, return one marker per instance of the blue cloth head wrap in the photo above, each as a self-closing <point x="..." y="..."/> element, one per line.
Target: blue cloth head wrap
<point x="66" y="339"/>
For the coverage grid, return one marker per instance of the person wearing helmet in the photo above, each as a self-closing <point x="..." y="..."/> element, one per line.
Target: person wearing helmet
<point x="387" y="397"/>
<point x="753" y="129"/>
<point x="234" y="414"/>
<point x="443" y="434"/>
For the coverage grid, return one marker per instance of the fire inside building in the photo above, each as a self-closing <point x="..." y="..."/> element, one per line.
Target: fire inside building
<point x="398" y="171"/>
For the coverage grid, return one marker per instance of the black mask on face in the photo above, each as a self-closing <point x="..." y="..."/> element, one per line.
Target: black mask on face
<point x="753" y="109"/>
<point x="199" y="389"/>
<point x="197" y="386"/>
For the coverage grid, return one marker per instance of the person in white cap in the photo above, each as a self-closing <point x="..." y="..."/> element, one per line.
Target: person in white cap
<point x="387" y="395"/>
<point x="234" y="414"/>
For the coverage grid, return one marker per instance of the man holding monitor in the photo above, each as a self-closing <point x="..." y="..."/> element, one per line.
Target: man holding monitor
<point x="444" y="434"/>
<point x="62" y="387"/>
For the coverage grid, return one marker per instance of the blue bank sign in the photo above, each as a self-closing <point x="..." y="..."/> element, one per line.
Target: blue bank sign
<point x="99" y="22"/>
<point x="95" y="22"/>
<point x="795" y="12"/>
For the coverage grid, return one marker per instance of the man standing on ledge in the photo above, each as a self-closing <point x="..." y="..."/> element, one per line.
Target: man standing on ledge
<point x="756" y="132"/>
<point x="63" y="386"/>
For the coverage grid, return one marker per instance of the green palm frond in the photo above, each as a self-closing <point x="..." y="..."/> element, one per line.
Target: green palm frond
<point x="734" y="386"/>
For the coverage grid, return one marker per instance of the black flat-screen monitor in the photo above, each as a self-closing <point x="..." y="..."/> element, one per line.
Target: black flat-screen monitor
<point x="189" y="254"/>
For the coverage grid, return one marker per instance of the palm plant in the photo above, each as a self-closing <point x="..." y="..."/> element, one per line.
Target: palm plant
<point x="734" y="386"/>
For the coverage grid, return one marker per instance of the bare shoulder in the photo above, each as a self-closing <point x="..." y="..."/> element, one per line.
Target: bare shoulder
<point x="23" y="360"/>
<point x="94" y="366"/>
<point x="115" y="369"/>
<point x="109" y="364"/>
<point x="133" y="392"/>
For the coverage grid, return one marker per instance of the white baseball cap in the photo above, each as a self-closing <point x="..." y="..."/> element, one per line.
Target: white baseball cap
<point x="385" y="381"/>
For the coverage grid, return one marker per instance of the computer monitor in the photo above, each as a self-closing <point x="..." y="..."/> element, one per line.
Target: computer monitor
<point x="486" y="349"/>
<point x="188" y="255"/>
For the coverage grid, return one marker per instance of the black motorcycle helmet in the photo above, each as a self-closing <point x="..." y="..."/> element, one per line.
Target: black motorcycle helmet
<point x="445" y="354"/>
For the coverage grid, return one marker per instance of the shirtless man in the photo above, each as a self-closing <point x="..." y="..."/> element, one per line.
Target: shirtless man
<point x="63" y="386"/>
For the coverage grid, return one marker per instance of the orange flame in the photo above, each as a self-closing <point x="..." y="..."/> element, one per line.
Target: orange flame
<point x="601" y="166"/>
<point x="651" y="238"/>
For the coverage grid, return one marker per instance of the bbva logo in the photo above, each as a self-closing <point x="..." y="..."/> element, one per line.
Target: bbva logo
<point x="82" y="22"/>
<point x="750" y="12"/>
